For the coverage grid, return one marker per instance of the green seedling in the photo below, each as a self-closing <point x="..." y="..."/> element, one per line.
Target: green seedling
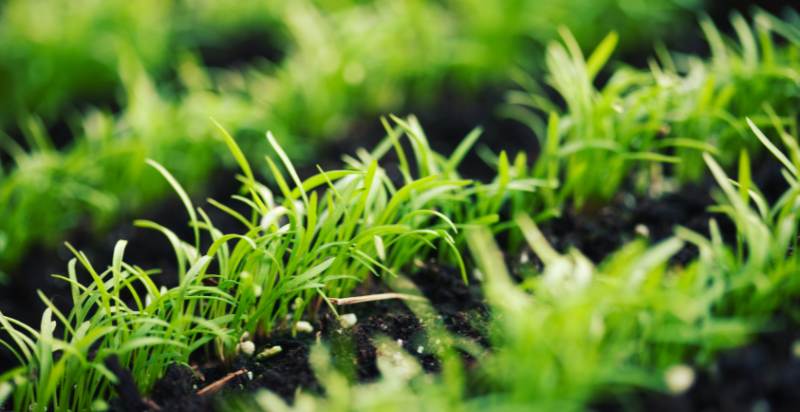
<point x="650" y="127"/>
<point x="311" y="240"/>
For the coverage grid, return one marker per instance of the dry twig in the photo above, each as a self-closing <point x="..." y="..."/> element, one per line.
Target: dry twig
<point x="376" y="297"/>
<point x="217" y="385"/>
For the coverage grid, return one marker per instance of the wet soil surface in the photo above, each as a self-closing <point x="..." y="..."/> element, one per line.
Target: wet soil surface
<point x="460" y="304"/>
<point x="282" y="374"/>
<point x="601" y="231"/>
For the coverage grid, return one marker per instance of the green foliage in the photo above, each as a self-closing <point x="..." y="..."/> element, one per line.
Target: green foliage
<point x="578" y="331"/>
<point x="755" y="279"/>
<point x="560" y="338"/>
<point x="57" y="52"/>
<point x="672" y="113"/>
<point x="342" y="63"/>
<point x="103" y="175"/>
<point x="629" y="320"/>
<point x="310" y="240"/>
<point x="620" y="324"/>
<point x="120" y="312"/>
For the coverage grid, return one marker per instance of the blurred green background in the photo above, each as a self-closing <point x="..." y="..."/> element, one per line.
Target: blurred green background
<point x="91" y="88"/>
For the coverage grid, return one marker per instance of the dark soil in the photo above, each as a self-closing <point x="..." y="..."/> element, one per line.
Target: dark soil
<point x="762" y="376"/>
<point x="241" y="48"/>
<point x="461" y="305"/>
<point x="282" y="374"/>
<point x="627" y="217"/>
<point x="601" y="231"/>
<point x="390" y="319"/>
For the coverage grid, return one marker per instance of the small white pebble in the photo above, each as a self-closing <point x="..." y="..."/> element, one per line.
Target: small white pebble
<point x="524" y="258"/>
<point x="249" y="375"/>
<point x="679" y="378"/>
<point x="642" y="230"/>
<point x="247" y="348"/>
<point x="348" y="320"/>
<point x="399" y="342"/>
<point x="303" y="326"/>
<point x="420" y="349"/>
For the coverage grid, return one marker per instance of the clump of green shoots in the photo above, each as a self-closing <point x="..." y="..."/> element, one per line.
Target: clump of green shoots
<point x="755" y="279"/>
<point x="577" y="331"/>
<point x="54" y="53"/>
<point x="311" y="240"/>
<point x="639" y="119"/>
<point x="296" y="98"/>
<point x="93" y="178"/>
<point x="636" y="316"/>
